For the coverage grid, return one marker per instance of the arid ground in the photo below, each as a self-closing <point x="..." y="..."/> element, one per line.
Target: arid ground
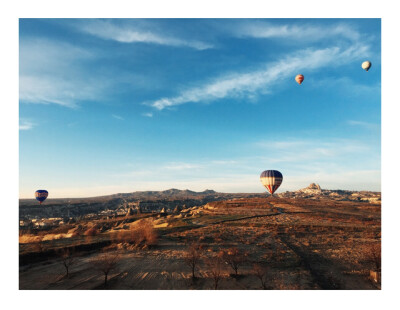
<point x="273" y="243"/>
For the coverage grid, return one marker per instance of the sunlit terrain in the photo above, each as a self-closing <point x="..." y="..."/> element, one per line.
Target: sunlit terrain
<point x="272" y="242"/>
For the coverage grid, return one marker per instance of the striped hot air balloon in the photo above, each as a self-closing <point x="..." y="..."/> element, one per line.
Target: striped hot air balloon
<point x="41" y="195"/>
<point x="271" y="179"/>
<point x="299" y="78"/>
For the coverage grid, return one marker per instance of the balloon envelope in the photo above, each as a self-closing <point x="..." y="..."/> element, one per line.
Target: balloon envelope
<point x="299" y="78"/>
<point x="366" y="65"/>
<point x="41" y="195"/>
<point x="271" y="179"/>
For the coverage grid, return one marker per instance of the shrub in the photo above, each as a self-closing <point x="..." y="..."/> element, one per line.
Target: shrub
<point x="142" y="234"/>
<point x="29" y="238"/>
<point x="92" y="231"/>
<point x="373" y="254"/>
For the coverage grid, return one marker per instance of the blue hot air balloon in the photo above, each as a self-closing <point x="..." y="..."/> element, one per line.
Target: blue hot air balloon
<point x="41" y="195"/>
<point x="271" y="179"/>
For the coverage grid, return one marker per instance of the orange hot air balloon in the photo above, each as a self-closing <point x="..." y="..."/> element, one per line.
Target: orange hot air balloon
<point x="299" y="78"/>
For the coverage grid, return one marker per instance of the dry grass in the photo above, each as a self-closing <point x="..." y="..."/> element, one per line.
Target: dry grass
<point x="142" y="235"/>
<point x="29" y="238"/>
<point x="92" y="231"/>
<point x="334" y="240"/>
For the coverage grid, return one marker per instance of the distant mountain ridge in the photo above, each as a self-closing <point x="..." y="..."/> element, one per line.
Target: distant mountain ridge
<point x="168" y="192"/>
<point x="172" y="192"/>
<point x="153" y="201"/>
<point x="312" y="190"/>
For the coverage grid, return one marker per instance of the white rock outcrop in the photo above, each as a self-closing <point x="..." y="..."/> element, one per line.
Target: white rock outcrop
<point x="311" y="189"/>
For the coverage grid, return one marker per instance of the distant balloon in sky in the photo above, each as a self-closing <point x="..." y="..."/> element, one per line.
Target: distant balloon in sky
<point x="299" y="78"/>
<point x="271" y="179"/>
<point x="41" y="195"/>
<point x="366" y="65"/>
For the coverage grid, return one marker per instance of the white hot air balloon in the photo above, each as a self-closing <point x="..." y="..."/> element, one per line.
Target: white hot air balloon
<point x="366" y="65"/>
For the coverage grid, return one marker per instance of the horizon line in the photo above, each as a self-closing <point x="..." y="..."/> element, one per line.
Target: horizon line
<point x="143" y="191"/>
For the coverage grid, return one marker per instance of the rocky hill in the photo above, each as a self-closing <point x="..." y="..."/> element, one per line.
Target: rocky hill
<point x="314" y="191"/>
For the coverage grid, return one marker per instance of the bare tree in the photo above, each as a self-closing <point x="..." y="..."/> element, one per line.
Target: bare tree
<point x="67" y="258"/>
<point x="192" y="256"/>
<point x="105" y="262"/>
<point x="234" y="258"/>
<point x="260" y="272"/>
<point x="214" y="265"/>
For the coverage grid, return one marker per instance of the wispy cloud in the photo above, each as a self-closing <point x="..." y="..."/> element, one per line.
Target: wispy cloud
<point x="56" y="72"/>
<point x="117" y="117"/>
<point x="303" y="162"/>
<point x="366" y="125"/>
<point x="25" y="124"/>
<point x="149" y="114"/>
<point x="334" y="163"/>
<point x="128" y="33"/>
<point x="305" y="32"/>
<point x="313" y="151"/>
<point x="177" y="169"/>
<point x="351" y="87"/>
<point x="52" y="73"/>
<point x="181" y="166"/>
<point x="350" y="179"/>
<point x="246" y="84"/>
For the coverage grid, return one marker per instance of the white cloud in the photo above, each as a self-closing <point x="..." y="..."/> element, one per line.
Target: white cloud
<point x="246" y="84"/>
<point x="46" y="90"/>
<point x="305" y="32"/>
<point x="148" y="114"/>
<point x="314" y="152"/>
<point x="181" y="166"/>
<point x="52" y="73"/>
<point x="224" y="162"/>
<point x="351" y="87"/>
<point x="125" y="33"/>
<point x="177" y="170"/>
<point x="333" y="163"/>
<point x="366" y="125"/>
<point x="25" y="125"/>
<point x="117" y="117"/>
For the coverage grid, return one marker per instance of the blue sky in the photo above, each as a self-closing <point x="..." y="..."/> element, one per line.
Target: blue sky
<point x="121" y="105"/>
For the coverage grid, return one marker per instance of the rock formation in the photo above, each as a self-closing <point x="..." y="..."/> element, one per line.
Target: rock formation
<point x="311" y="189"/>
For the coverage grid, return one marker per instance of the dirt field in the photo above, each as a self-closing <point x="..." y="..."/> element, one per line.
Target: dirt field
<point x="297" y="243"/>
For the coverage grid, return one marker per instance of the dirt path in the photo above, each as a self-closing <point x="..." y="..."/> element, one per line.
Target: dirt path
<point x="242" y="218"/>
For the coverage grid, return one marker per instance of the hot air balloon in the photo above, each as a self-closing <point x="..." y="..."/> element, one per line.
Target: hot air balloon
<point x="366" y="65"/>
<point x="271" y="179"/>
<point x="299" y="78"/>
<point x="41" y="195"/>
